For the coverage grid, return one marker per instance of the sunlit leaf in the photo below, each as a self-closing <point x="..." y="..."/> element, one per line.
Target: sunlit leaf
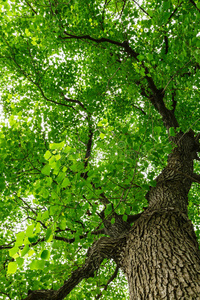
<point x="12" y="267"/>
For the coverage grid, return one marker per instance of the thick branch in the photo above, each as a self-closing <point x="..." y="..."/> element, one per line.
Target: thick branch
<point x="124" y="44"/>
<point x="156" y="99"/>
<point x="83" y="236"/>
<point x="133" y="218"/>
<point x="195" y="178"/>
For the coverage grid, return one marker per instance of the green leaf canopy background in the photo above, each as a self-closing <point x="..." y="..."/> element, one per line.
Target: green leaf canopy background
<point x="79" y="131"/>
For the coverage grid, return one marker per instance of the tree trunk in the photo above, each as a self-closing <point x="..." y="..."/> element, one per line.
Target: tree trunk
<point x="162" y="258"/>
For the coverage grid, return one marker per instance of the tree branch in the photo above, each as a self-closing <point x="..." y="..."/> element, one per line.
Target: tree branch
<point x="193" y="3"/>
<point x="2" y="293"/>
<point x="140" y="109"/>
<point x="27" y="76"/>
<point x="7" y="246"/>
<point x="89" y="147"/>
<point x="166" y="44"/>
<point x="101" y="249"/>
<point x="31" y="7"/>
<point x="157" y="96"/>
<point x="172" y="77"/>
<point x="50" y="100"/>
<point x="133" y="218"/>
<point x="26" y="204"/>
<point x="75" y="101"/>
<point x="146" y="13"/>
<point x="72" y="240"/>
<point x="195" y="177"/>
<point x="124" y="44"/>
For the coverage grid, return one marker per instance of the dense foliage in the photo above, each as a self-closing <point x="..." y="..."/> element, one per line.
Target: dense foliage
<point x="79" y="132"/>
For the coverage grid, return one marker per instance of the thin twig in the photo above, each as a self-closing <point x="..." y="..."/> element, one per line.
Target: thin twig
<point x="5" y="295"/>
<point x="30" y="7"/>
<point x="108" y="282"/>
<point x="142" y="8"/>
<point x="175" y="75"/>
<point x="193" y="3"/>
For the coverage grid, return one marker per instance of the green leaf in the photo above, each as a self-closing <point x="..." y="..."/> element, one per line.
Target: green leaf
<point x="172" y="131"/>
<point x="47" y="155"/>
<point x="49" y="235"/>
<point x="13" y="251"/>
<point x="49" y="181"/>
<point x="166" y="5"/>
<point x="102" y="135"/>
<point x="57" y="146"/>
<point x="46" y="170"/>
<point x="60" y="177"/>
<point x="38" y="228"/>
<point x="112" y="221"/>
<point x="44" y="193"/>
<point x="128" y="210"/>
<point x="65" y="183"/>
<point x="108" y="209"/>
<point x="63" y="224"/>
<point x="25" y="250"/>
<point x="27" y="32"/>
<point x="103" y="122"/>
<point x="58" y="157"/>
<point x="20" y="261"/>
<point x="20" y="238"/>
<point x="157" y="130"/>
<point x="125" y="217"/>
<point x="67" y="149"/>
<point x="33" y="239"/>
<point x="31" y="252"/>
<point x="12" y="267"/>
<point x="37" y="265"/>
<point x="45" y="254"/>
<point x="29" y="230"/>
<point x="45" y="215"/>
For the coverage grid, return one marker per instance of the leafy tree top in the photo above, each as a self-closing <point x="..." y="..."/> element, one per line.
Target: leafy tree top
<point x="81" y="131"/>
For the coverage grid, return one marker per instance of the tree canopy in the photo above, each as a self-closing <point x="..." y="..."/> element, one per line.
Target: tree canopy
<point x="82" y="135"/>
